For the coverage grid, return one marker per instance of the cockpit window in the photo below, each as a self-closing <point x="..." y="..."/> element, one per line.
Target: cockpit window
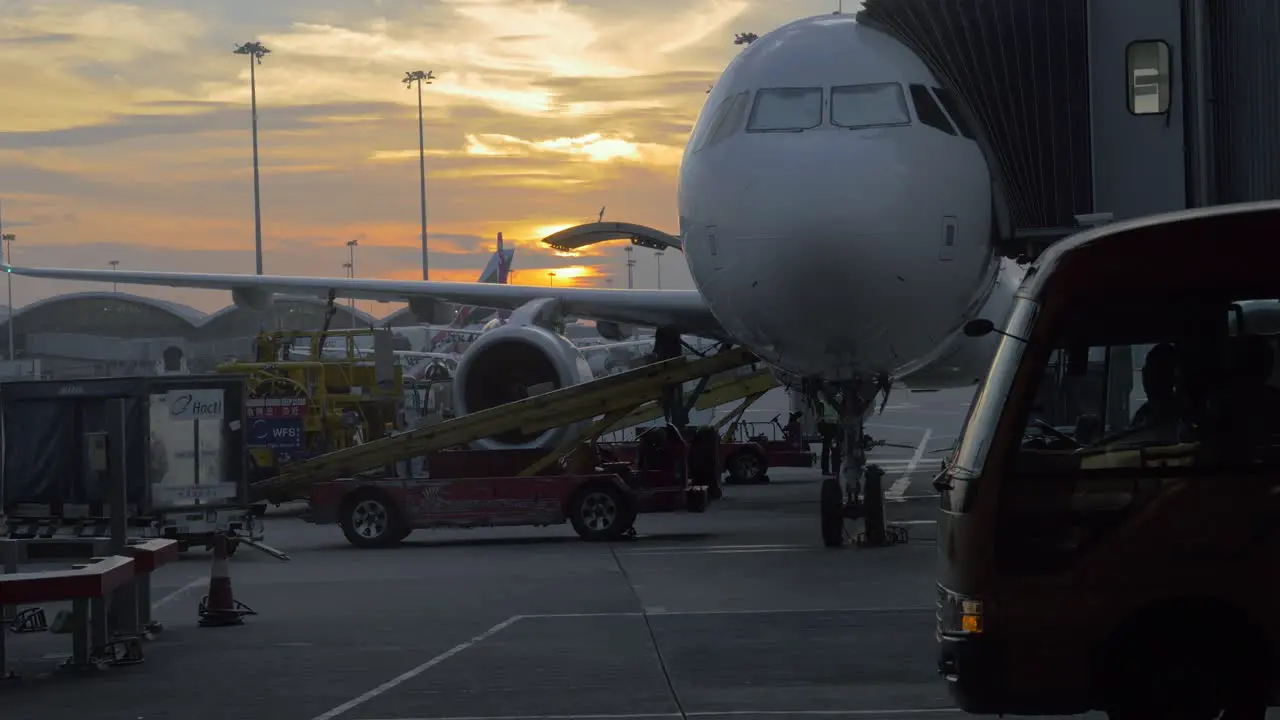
<point x="727" y="121"/>
<point x="786" y="110"/>
<point x="866" y="106"/>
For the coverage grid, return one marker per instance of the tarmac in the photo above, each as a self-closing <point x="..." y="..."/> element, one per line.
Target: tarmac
<point x="738" y="613"/>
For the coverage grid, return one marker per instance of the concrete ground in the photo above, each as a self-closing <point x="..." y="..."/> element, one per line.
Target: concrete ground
<point x="737" y="613"/>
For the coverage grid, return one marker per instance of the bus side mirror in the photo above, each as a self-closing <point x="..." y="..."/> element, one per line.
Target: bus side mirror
<point x="979" y="327"/>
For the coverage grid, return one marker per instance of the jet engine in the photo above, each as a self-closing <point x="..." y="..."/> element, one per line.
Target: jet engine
<point x="511" y="363"/>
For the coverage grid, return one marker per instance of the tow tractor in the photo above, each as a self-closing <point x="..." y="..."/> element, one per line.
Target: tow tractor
<point x="374" y="493"/>
<point x="747" y="450"/>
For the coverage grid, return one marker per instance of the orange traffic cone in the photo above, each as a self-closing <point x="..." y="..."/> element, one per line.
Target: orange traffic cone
<point x="220" y="608"/>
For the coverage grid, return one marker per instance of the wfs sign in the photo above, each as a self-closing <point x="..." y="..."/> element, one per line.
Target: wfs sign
<point x="278" y="433"/>
<point x="193" y="404"/>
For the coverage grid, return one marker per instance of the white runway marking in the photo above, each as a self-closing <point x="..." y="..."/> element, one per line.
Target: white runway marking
<point x="691" y="613"/>
<point x="708" y="714"/>
<point x="415" y="672"/>
<point x="197" y="582"/>
<point x="902" y="483"/>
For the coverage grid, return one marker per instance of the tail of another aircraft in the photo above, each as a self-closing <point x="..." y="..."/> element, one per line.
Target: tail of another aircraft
<point x="497" y="270"/>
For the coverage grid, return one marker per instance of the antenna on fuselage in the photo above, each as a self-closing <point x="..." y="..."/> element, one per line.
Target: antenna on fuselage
<point x="600" y="217"/>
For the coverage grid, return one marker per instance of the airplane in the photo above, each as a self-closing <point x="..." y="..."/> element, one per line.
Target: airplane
<point x="836" y="216"/>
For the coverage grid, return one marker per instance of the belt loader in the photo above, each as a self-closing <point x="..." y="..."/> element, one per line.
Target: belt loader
<point x="378" y="504"/>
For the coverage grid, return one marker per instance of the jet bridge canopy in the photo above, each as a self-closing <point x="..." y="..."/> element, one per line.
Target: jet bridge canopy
<point x="580" y="236"/>
<point x="1022" y="69"/>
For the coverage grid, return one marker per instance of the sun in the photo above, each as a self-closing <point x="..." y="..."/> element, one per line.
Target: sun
<point x="541" y="232"/>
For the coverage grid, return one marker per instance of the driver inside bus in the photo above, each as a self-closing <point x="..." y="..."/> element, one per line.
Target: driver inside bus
<point x="1166" y="410"/>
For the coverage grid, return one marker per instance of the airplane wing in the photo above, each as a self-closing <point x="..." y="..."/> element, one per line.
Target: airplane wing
<point x="342" y="352"/>
<point x="680" y="310"/>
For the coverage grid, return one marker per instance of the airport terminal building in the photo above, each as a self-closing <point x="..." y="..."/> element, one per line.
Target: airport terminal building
<point x="97" y="334"/>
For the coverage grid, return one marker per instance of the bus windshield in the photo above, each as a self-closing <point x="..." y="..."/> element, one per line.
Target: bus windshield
<point x="984" y="413"/>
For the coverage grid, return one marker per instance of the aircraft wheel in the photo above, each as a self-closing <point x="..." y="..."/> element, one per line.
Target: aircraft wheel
<point x="746" y="467"/>
<point x="832" y="512"/>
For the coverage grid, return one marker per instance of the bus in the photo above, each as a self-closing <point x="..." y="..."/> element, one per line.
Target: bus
<point x="1126" y="559"/>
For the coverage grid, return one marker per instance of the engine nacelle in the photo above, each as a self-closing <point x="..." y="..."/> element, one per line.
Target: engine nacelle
<point x="511" y="363"/>
<point x="252" y="298"/>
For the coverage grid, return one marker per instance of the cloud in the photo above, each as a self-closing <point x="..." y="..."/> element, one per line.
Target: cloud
<point x="593" y="147"/>
<point x="126" y="129"/>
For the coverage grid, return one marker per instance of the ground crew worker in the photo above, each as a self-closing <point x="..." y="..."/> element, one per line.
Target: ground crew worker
<point x="794" y="431"/>
<point x="829" y="429"/>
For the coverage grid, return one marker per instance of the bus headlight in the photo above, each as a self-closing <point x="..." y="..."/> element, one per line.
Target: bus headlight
<point x="958" y="614"/>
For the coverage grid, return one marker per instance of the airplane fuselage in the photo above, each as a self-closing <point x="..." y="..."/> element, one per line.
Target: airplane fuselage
<point x="827" y="226"/>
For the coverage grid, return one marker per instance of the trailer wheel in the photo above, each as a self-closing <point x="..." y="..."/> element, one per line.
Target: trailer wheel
<point x="601" y="512"/>
<point x="369" y="519"/>
<point x="746" y="467"/>
<point x="831" y="508"/>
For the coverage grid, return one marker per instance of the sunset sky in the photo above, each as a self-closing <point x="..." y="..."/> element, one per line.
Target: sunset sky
<point x="124" y="131"/>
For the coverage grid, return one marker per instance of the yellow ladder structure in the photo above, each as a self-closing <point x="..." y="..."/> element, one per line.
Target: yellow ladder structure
<point x="613" y="397"/>
<point x="719" y="391"/>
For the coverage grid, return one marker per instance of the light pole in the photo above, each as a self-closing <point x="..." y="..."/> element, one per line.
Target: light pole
<point x="351" y="265"/>
<point x="114" y="265"/>
<point x="410" y="79"/>
<point x="8" y="239"/>
<point x="657" y="259"/>
<point x="552" y="275"/>
<point x="256" y="51"/>
<point x="631" y="266"/>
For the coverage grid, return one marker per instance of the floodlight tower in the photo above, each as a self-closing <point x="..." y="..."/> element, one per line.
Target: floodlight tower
<point x="351" y="264"/>
<point x="418" y="77"/>
<point x="657" y="261"/>
<point x="7" y="239"/>
<point x="631" y="266"/>
<point x="115" y="265"/>
<point x="256" y="51"/>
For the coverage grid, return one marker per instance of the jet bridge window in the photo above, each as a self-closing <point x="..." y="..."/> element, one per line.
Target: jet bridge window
<point x="1148" y="69"/>
<point x="867" y="106"/>
<point x="786" y="110"/>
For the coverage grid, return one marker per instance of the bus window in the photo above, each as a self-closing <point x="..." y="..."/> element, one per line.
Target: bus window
<point x="786" y="110"/>
<point x="1147" y="68"/>
<point x="1110" y="417"/>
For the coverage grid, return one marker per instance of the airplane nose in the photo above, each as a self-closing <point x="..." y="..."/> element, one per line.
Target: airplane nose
<point x="820" y="258"/>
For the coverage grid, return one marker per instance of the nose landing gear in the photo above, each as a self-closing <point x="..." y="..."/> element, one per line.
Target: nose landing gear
<point x="858" y="491"/>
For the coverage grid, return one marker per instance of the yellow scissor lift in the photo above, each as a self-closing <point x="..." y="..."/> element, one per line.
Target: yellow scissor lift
<point x="610" y="399"/>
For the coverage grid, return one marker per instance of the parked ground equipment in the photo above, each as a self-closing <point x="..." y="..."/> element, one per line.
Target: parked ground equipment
<point x="183" y="440"/>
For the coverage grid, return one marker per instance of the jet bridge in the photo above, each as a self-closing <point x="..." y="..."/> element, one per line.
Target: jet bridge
<point x="611" y="399"/>
<point x="580" y="236"/>
<point x="1020" y="69"/>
